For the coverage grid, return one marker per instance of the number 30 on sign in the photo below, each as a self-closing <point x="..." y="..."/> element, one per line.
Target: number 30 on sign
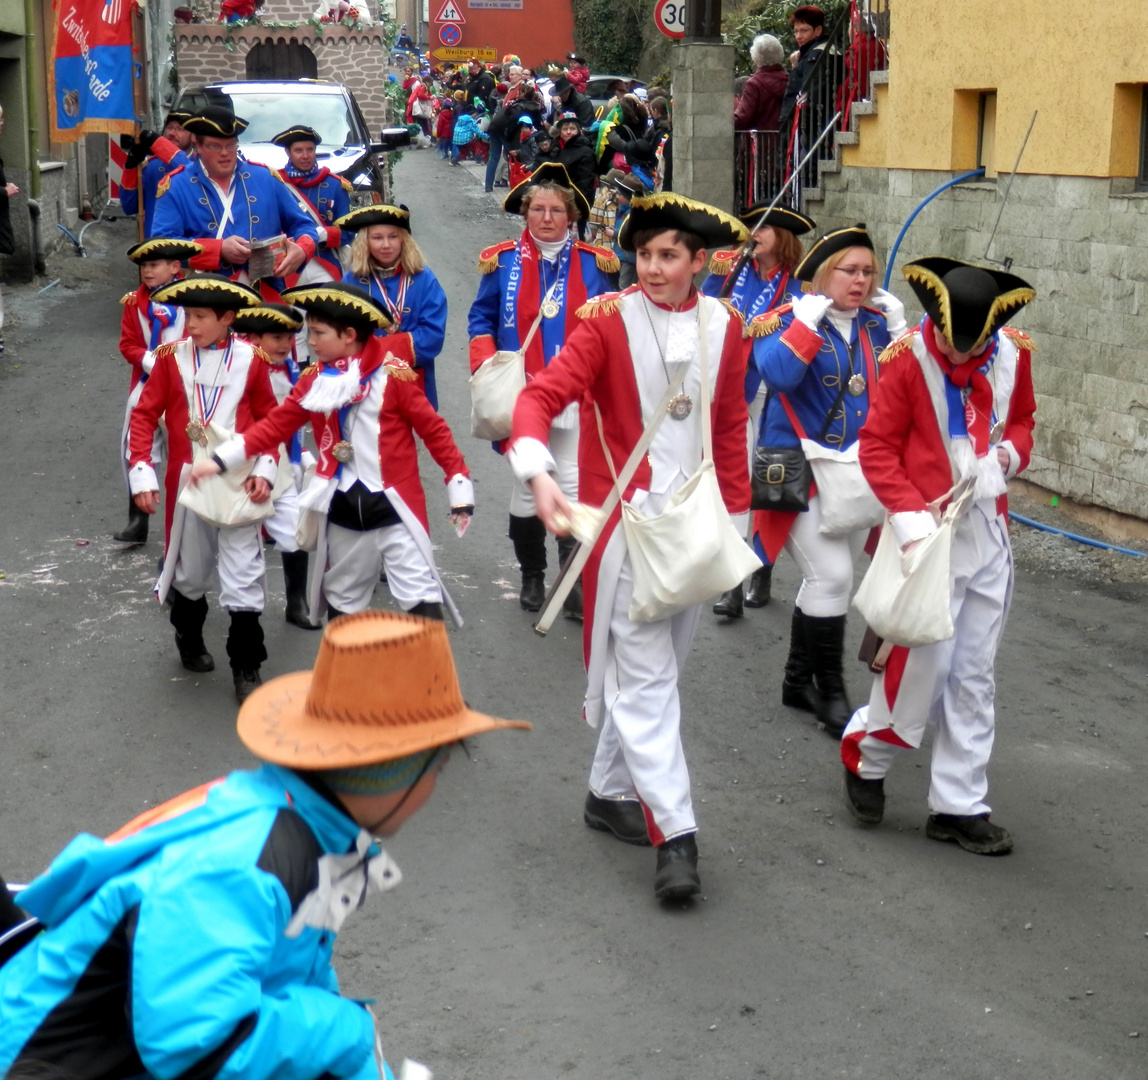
<point x="670" y="17"/>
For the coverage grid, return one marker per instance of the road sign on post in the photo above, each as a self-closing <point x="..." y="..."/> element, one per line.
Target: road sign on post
<point x="449" y="34"/>
<point x="451" y="13"/>
<point x="670" y="17"/>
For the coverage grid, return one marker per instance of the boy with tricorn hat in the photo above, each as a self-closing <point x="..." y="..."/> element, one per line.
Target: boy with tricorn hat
<point x="620" y="361"/>
<point x="204" y="386"/>
<point x="955" y="401"/>
<point x="197" y="940"/>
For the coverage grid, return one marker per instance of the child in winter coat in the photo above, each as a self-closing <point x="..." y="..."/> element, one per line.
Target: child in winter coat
<point x="444" y="127"/>
<point x="466" y="132"/>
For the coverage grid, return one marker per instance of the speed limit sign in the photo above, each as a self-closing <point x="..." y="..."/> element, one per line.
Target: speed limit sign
<point x="670" y="17"/>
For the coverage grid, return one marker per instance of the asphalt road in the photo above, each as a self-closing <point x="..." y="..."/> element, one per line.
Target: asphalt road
<point x="521" y="945"/>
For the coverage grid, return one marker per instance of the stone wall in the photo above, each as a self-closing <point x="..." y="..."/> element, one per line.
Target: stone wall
<point x="1083" y="246"/>
<point x="356" y="58"/>
<point x="701" y="84"/>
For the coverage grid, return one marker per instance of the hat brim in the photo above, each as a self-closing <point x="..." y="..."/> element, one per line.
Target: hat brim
<point x="669" y="211"/>
<point x="337" y="300"/>
<point x="274" y="725"/>
<point x="207" y="292"/>
<point x="830" y="244"/>
<point x="780" y="217"/>
<point x="164" y="248"/>
<point x="364" y="217"/>
<point x="549" y="172"/>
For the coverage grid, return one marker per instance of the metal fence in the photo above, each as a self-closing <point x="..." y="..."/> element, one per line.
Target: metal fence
<point x="854" y="47"/>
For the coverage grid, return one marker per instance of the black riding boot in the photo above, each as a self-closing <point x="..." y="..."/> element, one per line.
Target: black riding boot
<point x="825" y="639"/>
<point x="246" y="652"/>
<point x="797" y="689"/>
<point x="135" y="532"/>
<point x="428" y="609"/>
<point x="188" y="617"/>
<point x="295" y="582"/>
<point x="333" y="613"/>
<point x="528" y="535"/>
<point x="730" y="603"/>
<point x="572" y="605"/>
<point x="760" y="583"/>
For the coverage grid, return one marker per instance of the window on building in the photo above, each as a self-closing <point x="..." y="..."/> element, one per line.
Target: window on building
<point x="987" y="133"/>
<point x="281" y="60"/>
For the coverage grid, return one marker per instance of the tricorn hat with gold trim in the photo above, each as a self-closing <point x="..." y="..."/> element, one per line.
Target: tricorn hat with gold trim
<point x="268" y="319"/>
<point x="967" y="303"/>
<point x="549" y="172"/>
<point x="338" y="300"/>
<point x="208" y="291"/>
<point x="780" y="217"/>
<point x="669" y="211"/>
<point x="215" y="120"/>
<point x="160" y="247"/>
<point x="297" y="133"/>
<point x="830" y="244"/>
<point x="178" y="116"/>
<point x="342" y="714"/>
<point x="379" y="214"/>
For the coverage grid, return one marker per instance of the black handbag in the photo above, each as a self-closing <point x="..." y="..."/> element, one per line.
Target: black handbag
<point x="780" y="479"/>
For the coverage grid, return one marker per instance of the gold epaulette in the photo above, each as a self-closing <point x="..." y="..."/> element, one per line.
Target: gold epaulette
<point x="728" y="305"/>
<point x="310" y="369"/>
<point x="767" y="323"/>
<point x="165" y="182"/>
<point x="259" y="354"/>
<point x="166" y="349"/>
<point x="607" y="261"/>
<point x="606" y="304"/>
<point x="399" y="369"/>
<point x="1020" y="339"/>
<point x="895" y="348"/>
<point x="488" y="259"/>
<point x="721" y="262"/>
<point x="347" y="185"/>
<point x="129" y="298"/>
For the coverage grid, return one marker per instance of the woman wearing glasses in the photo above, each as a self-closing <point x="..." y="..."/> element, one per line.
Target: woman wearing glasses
<point x="528" y="298"/>
<point x="818" y="358"/>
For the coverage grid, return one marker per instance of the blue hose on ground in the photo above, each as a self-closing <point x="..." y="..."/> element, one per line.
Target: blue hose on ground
<point x="1073" y="536"/>
<point x="921" y="206"/>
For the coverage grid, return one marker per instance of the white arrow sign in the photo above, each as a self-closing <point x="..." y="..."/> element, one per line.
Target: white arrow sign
<point x="451" y="12"/>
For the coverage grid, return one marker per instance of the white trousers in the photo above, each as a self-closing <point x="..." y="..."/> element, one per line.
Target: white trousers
<point x="236" y="552"/>
<point x="948" y="686"/>
<point x="281" y="525"/>
<point x="825" y="562"/>
<point x="640" y="751"/>
<point x="564" y="450"/>
<point x="353" y="561"/>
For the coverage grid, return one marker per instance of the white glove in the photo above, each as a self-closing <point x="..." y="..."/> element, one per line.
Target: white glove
<point x="147" y="362"/>
<point x="810" y="309"/>
<point x="894" y="312"/>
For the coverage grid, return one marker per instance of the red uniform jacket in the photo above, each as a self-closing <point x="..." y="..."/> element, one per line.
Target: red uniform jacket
<point x="164" y="395"/>
<point x="405" y="412"/>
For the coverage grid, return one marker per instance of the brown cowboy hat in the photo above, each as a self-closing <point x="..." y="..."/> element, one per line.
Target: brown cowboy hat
<point x="384" y="686"/>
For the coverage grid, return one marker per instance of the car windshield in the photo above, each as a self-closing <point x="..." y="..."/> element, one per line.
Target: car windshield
<point x="269" y="114"/>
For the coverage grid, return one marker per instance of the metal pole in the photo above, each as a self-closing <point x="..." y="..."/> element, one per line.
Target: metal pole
<point x="1008" y="189"/>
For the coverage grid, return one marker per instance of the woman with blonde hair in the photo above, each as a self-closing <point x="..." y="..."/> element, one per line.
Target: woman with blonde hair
<point x="818" y="356"/>
<point x="387" y="263"/>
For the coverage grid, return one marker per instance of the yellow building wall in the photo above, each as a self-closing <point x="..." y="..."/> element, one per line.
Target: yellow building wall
<point x="1082" y="66"/>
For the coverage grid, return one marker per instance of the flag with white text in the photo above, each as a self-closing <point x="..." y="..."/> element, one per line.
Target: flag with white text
<point x="91" y="75"/>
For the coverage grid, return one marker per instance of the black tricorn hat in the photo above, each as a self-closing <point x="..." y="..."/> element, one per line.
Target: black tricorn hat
<point x="179" y="116"/>
<point x="161" y="247"/>
<point x="669" y="211"/>
<point x="967" y="303"/>
<point x="209" y="291"/>
<point x="830" y="244"/>
<point x="378" y="214"/>
<point x="338" y="300"/>
<point x="297" y="133"/>
<point x="268" y="319"/>
<point x="215" y="120"/>
<point x="780" y="217"/>
<point x="549" y="172"/>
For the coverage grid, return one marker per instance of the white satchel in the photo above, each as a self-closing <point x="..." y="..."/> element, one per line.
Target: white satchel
<point x="495" y="386"/>
<point x="222" y="500"/>
<point x="689" y="552"/>
<point x="907" y="598"/>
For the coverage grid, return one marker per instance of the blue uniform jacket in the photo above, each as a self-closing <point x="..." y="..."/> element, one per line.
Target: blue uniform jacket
<point x="423" y="317"/>
<point x="165" y="952"/>
<point x="751" y="295"/>
<point x="188" y="206"/>
<point x="808" y="368"/>
<point x="154" y="170"/>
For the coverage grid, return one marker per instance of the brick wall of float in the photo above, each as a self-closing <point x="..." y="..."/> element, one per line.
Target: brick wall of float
<point x="356" y="58"/>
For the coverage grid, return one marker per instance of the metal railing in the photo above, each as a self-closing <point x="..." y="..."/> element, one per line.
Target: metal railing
<point x="855" y="46"/>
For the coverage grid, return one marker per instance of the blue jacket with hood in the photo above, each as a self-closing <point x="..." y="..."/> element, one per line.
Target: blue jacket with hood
<point x="166" y="953"/>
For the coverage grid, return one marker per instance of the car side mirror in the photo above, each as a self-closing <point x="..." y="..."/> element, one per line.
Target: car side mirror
<point x="391" y="139"/>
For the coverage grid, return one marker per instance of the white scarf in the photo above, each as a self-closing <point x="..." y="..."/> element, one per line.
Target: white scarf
<point x="330" y="392"/>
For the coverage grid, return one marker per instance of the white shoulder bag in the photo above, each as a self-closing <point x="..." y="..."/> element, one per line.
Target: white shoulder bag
<point x="689" y="552"/>
<point x="495" y="386"/>
<point x="907" y="598"/>
<point x="222" y="500"/>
